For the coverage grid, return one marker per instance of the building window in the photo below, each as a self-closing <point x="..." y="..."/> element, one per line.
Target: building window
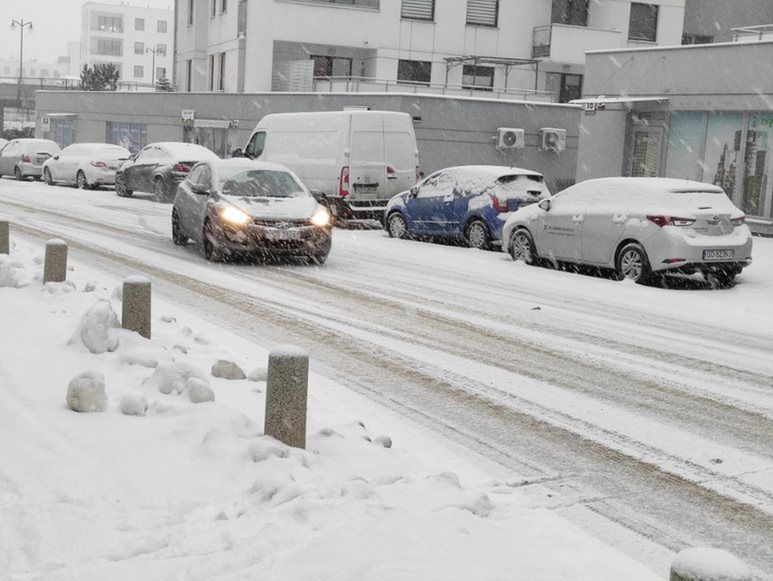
<point x="132" y="136"/>
<point x="139" y="48"/>
<point x="241" y="26"/>
<point x="213" y="11"/>
<point x="160" y="50"/>
<point x="160" y="72"/>
<point x="479" y="78"/>
<point x="329" y="66"/>
<point x="414" y="71"/>
<point x="190" y="12"/>
<point x="482" y="12"/>
<point x="44" y="72"/>
<point x="107" y="46"/>
<point x="223" y="6"/>
<point x="188" y="75"/>
<point x="106" y="23"/>
<point x="644" y="22"/>
<point x="6" y="71"/>
<point x="697" y="39"/>
<point x="211" y="72"/>
<point x="139" y="71"/>
<point x="32" y="72"/>
<point x="418" y="9"/>
<point x="221" y="78"/>
<point x="161" y="26"/>
<point x="571" y="12"/>
<point x="567" y="87"/>
<point x="139" y="24"/>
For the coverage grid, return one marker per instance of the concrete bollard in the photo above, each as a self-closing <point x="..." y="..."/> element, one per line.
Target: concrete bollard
<point x="707" y="564"/>
<point x="55" y="264"/>
<point x="5" y="241"/>
<point x="135" y="315"/>
<point x="286" y="395"/>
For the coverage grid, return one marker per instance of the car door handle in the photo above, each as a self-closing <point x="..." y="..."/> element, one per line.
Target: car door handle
<point x="578" y="218"/>
<point x="391" y="176"/>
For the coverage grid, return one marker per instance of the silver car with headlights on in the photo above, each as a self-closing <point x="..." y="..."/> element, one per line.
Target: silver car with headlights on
<point x="238" y="207"/>
<point x="636" y="227"/>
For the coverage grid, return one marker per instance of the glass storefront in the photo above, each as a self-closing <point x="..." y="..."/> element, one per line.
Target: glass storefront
<point x="132" y="136"/>
<point x="757" y="185"/>
<point x="63" y="131"/>
<point x="685" y="145"/>
<point x="721" y="154"/>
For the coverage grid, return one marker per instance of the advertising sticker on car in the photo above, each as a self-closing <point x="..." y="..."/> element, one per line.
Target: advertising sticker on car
<point x="720" y="254"/>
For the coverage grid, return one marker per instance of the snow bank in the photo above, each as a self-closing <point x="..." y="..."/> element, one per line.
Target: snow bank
<point x="198" y="390"/>
<point x="96" y="329"/>
<point x="227" y="370"/>
<point x="173" y="377"/>
<point x="708" y="564"/>
<point x="10" y="272"/>
<point x="258" y="374"/>
<point x="86" y="392"/>
<point x="134" y="403"/>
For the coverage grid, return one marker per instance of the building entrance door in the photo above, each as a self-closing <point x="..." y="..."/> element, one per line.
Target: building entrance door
<point x="646" y="148"/>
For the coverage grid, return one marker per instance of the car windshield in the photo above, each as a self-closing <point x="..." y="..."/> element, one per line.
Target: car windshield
<point x="259" y="183"/>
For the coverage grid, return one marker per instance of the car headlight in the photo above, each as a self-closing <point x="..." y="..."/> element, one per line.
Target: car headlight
<point x="234" y="215"/>
<point x="321" y="217"/>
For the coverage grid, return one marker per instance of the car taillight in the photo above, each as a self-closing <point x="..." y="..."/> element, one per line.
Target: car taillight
<point x="25" y="159"/>
<point x="390" y="170"/>
<point x="738" y="221"/>
<point x="343" y="182"/>
<point x="98" y="163"/>
<point x="499" y="205"/>
<point x="670" y="221"/>
<point x="180" y="168"/>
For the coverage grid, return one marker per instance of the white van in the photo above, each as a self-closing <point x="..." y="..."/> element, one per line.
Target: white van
<point x="359" y="159"/>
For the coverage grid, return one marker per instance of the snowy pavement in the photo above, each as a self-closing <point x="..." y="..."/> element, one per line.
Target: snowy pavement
<point x="626" y="404"/>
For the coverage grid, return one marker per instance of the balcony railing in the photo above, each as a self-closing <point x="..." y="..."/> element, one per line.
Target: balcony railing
<point x="372" y="85"/>
<point x="372" y="4"/>
<point x="751" y="33"/>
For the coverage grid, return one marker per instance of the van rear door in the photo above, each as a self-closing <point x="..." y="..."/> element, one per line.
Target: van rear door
<point x="400" y="156"/>
<point x="367" y="168"/>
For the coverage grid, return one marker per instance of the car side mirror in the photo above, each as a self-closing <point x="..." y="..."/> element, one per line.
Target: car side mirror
<point x="199" y="189"/>
<point x="237" y="152"/>
<point x="132" y="157"/>
<point x="56" y="157"/>
<point x="545" y="205"/>
<point x="414" y="191"/>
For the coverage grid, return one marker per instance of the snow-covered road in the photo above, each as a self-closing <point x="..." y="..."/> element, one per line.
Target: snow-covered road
<point x="635" y="403"/>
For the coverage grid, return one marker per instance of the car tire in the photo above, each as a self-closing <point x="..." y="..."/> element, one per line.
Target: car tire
<point x="80" y="181"/>
<point x="159" y="191"/>
<point x="396" y="226"/>
<point x="632" y="262"/>
<point x="477" y="235"/>
<point x="17" y="174"/>
<point x="178" y="237"/>
<point x="208" y="249"/>
<point x="521" y="247"/>
<point x="120" y="187"/>
<point x="47" y="177"/>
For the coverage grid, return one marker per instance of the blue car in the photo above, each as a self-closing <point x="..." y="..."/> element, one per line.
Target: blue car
<point x="468" y="203"/>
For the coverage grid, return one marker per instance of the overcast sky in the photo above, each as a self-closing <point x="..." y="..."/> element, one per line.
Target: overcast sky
<point x="55" y="22"/>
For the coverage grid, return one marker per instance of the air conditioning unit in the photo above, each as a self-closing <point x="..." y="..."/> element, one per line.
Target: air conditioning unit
<point x="509" y="138"/>
<point x="553" y="139"/>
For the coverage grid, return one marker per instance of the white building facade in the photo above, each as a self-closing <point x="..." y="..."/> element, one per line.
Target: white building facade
<point x="139" y="41"/>
<point x="510" y="49"/>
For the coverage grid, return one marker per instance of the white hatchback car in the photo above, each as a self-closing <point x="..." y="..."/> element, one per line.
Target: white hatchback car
<point x="637" y="227"/>
<point x="85" y="165"/>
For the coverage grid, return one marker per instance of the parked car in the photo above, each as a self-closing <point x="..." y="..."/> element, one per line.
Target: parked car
<point x="24" y="158"/>
<point x="2" y="143"/>
<point x="357" y="159"/>
<point x="636" y="227"/>
<point x="85" y="165"/>
<point x="240" y="206"/>
<point x="158" y="168"/>
<point x="467" y="202"/>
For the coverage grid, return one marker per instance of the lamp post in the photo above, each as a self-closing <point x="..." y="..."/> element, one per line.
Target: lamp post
<point x="153" y="51"/>
<point x="22" y="24"/>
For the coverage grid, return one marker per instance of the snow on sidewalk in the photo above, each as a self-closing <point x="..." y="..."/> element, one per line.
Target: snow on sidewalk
<point x="194" y="490"/>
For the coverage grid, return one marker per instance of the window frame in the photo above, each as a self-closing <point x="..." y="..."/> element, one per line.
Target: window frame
<point x="430" y="19"/>
<point x="414" y="63"/>
<point x="141" y="28"/>
<point x="652" y="8"/>
<point x="484" y="25"/>
<point x="139" y="45"/>
<point x="475" y="75"/>
<point x="165" y="27"/>
<point x="221" y="76"/>
<point x="142" y="72"/>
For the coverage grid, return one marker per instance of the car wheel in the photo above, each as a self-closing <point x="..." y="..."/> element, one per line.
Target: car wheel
<point x="120" y="187"/>
<point x="159" y="191"/>
<point x="396" y="225"/>
<point x="521" y="246"/>
<point x="177" y="237"/>
<point x="720" y="278"/>
<point x="17" y="174"/>
<point x="318" y="259"/>
<point x="47" y="177"/>
<point x="80" y="181"/>
<point x="632" y="262"/>
<point x="477" y="235"/>
<point x="210" y="252"/>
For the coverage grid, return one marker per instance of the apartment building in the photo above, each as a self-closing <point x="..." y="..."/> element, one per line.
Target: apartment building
<point x="32" y="69"/>
<point x="510" y="49"/>
<point x="139" y="41"/>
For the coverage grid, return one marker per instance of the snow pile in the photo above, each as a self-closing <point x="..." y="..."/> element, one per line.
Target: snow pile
<point x="700" y="563"/>
<point x="86" y="392"/>
<point x="96" y="329"/>
<point x="199" y="391"/>
<point x="227" y="370"/>
<point x="10" y="272"/>
<point x="174" y="377"/>
<point x="133" y="403"/>
<point x="258" y="374"/>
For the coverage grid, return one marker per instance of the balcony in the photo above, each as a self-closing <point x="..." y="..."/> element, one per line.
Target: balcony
<point x="566" y="44"/>
<point x="372" y="85"/>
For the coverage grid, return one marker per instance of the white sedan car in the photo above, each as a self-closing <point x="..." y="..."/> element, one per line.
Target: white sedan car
<point x="85" y="165"/>
<point x="637" y="227"/>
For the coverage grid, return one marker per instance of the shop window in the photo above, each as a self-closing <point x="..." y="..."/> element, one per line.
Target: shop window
<point x="414" y="71"/>
<point x="418" y="9"/>
<point x="686" y="130"/>
<point x="643" y="24"/>
<point x="132" y="136"/>
<point x="482" y="12"/>
<point x="758" y="179"/>
<point x="721" y="157"/>
<point x="63" y="131"/>
<point x="478" y="78"/>
<point x="572" y="12"/>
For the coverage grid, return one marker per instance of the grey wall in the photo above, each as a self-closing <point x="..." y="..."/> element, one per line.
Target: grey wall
<point x="602" y="143"/>
<point x="716" y="18"/>
<point x="450" y="131"/>
<point x="733" y="76"/>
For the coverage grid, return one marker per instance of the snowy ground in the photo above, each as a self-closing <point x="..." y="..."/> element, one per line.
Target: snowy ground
<point x="615" y="403"/>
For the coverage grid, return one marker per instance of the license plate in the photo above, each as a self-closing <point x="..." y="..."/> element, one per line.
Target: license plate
<point x="725" y="254"/>
<point x="366" y="191"/>
<point x="283" y="234"/>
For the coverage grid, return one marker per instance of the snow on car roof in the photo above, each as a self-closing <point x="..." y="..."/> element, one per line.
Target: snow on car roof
<point x="494" y="171"/>
<point x="243" y="162"/>
<point x="654" y="185"/>
<point x="179" y="148"/>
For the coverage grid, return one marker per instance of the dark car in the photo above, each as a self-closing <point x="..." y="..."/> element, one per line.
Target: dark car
<point x="158" y="168"/>
<point x="237" y="207"/>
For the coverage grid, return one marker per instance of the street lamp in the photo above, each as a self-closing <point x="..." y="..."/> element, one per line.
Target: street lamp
<point x="22" y="24"/>
<point x="153" y="51"/>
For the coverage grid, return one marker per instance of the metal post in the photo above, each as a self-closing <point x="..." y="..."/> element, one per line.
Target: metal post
<point x="22" y="24"/>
